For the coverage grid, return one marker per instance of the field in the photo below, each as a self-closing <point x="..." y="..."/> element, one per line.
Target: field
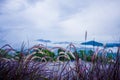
<point x="41" y="63"/>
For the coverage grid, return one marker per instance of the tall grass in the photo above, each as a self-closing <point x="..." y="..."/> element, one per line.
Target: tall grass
<point x="39" y="63"/>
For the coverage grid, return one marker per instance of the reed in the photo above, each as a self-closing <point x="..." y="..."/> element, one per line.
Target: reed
<point x="26" y="66"/>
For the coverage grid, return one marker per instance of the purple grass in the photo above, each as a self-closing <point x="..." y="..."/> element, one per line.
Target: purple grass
<point x="26" y="68"/>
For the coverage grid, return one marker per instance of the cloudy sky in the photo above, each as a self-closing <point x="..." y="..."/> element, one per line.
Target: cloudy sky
<point x="59" y="20"/>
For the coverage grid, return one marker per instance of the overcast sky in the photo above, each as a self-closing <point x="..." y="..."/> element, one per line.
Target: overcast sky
<point x="59" y="20"/>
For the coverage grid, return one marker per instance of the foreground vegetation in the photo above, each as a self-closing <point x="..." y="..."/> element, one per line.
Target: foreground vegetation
<point x="41" y="63"/>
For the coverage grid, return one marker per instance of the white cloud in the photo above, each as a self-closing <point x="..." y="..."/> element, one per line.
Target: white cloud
<point x="99" y="19"/>
<point x="59" y="19"/>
